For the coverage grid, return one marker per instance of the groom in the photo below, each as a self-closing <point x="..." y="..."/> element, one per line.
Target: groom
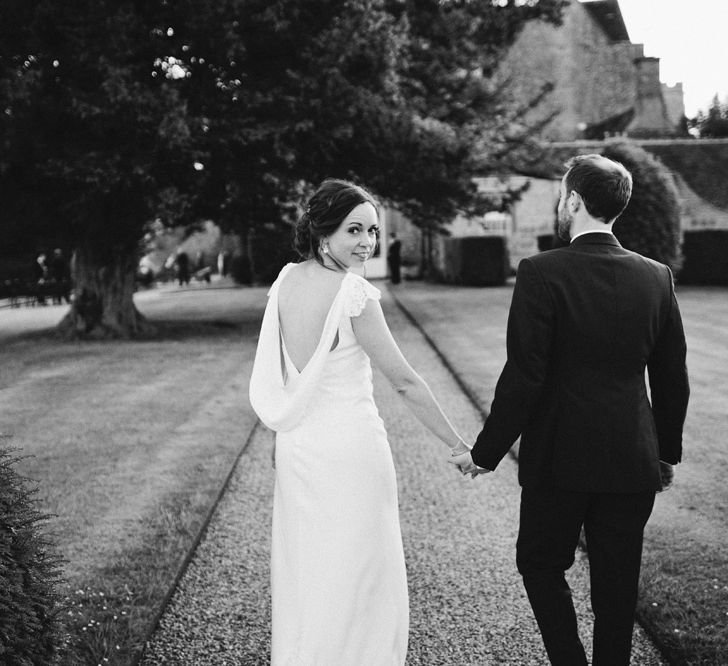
<point x="584" y="322"/>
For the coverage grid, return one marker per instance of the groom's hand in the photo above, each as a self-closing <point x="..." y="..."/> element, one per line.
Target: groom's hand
<point x="464" y="462"/>
<point x="666" y="475"/>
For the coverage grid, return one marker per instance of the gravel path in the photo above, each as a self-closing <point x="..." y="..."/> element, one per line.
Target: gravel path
<point x="467" y="603"/>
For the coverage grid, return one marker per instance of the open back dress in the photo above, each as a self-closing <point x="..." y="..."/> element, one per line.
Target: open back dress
<point x="338" y="581"/>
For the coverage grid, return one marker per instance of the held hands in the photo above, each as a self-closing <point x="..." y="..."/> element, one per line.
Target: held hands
<point x="461" y="458"/>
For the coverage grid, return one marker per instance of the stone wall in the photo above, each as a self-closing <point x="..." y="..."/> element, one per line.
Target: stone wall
<point x="594" y="78"/>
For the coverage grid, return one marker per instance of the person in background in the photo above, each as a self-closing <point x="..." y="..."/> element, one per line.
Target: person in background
<point x="60" y="275"/>
<point x="183" y="268"/>
<point x="394" y="259"/>
<point x="41" y="276"/>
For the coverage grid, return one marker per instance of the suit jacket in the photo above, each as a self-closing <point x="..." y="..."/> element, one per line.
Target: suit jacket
<point x="584" y="322"/>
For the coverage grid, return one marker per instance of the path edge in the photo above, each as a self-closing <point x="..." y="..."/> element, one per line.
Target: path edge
<point x="184" y="564"/>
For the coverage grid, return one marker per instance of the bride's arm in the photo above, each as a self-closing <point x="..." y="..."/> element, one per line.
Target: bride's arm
<point x="374" y="336"/>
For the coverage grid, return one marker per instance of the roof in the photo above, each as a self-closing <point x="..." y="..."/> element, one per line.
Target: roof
<point x="702" y="163"/>
<point x="608" y="14"/>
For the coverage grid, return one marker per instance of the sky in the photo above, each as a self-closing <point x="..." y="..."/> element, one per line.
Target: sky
<point x="689" y="38"/>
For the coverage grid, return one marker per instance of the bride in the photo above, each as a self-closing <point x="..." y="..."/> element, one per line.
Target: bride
<point x="338" y="580"/>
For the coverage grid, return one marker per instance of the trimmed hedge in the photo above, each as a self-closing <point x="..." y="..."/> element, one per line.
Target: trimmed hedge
<point x="650" y="224"/>
<point x="705" y="258"/>
<point x="545" y="242"/>
<point x="476" y="260"/>
<point x="550" y="241"/>
<point x="30" y="575"/>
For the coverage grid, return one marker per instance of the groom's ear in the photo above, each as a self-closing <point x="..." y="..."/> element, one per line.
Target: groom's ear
<point x="575" y="201"/>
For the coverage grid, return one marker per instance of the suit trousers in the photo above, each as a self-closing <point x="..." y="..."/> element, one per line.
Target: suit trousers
<point x="550" y="525"/>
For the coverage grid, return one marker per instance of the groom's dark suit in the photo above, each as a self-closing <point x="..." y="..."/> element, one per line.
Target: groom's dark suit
<point x="585" y="321"/>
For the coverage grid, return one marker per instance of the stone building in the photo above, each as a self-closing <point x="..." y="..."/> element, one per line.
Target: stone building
<point x="602" y="85"/>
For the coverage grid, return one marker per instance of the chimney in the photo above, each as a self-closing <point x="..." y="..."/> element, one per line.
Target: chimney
<point x="650" y="117"/>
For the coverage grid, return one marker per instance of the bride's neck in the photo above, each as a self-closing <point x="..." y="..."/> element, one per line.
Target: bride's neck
<point x="327" y="263"/>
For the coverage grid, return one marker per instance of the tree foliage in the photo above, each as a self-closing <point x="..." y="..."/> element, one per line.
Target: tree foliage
<point x="91" y="140"/>
<point x="650" y="224"/>
<point x="232" y="109"/>
<point x="394" y="94"/>
<point x="714" y="123"/>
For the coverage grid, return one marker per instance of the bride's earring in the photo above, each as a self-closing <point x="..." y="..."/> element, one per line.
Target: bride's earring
<point x="325" y="247"/>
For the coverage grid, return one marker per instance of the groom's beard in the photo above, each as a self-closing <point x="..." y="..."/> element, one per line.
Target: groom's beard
<point x="565" y="221"/>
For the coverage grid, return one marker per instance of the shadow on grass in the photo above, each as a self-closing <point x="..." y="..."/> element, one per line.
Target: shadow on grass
<point x="172" y="330"/>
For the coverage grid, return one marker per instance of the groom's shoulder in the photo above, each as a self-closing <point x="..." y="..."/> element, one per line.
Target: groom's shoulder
<point x="548" y="257"/>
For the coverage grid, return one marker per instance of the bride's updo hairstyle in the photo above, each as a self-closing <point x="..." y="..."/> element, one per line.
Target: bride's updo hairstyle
<point x="325" y="211"/>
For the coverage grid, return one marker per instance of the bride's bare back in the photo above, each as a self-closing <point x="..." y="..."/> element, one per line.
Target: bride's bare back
<point x="304" y="299"/>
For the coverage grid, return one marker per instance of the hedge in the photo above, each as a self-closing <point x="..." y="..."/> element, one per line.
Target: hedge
<point x="30" y="575"/>
<point x="650" y="224"/>
<point x="705" y="256"/>
<point x="476" y="260"/>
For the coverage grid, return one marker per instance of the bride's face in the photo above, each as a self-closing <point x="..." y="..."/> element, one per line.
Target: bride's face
<point x="354" y="240"/>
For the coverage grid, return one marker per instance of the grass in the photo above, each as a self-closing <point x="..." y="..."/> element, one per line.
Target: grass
<point x="686" y="560"/>
<point x="130" y="444"/>
<point x="684" y="583"/>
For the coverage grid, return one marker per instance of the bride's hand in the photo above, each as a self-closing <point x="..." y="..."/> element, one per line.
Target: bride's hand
<point x="460" y="448"/>
<point x="464" y="462"/>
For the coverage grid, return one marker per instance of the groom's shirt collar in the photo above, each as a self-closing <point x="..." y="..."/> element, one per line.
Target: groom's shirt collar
<point x="592" y="231"/>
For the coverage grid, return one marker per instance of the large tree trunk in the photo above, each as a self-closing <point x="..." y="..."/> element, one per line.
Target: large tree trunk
<point x="103" y="306"/>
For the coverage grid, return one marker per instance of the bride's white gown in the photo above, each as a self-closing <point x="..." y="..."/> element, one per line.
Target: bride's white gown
<point x="338" y="576"/>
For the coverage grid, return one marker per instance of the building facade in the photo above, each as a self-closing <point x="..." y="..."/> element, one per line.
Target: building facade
<point x="601" y="83"/>
<point x="601" y="86"/>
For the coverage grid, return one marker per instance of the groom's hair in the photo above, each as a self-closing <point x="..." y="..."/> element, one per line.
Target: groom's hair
<point x="604" y="185"/>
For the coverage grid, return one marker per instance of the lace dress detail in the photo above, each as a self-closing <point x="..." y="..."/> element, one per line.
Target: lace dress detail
<point x="358" y="292"/>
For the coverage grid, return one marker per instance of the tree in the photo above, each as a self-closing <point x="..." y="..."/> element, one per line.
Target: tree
<point x="650" y="224"/>
<point x="93" y="139"/>
<point x="714" y="124"/>
<point x="394" y="94"/>
<point x="264" y="98"/>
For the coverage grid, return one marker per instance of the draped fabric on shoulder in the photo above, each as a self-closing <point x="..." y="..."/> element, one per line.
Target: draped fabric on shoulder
<point x="280" y="398"/>
<point x="338" y="576"/>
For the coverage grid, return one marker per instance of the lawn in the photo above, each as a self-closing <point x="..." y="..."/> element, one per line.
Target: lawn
<point x="684" y="595"/>
<point x="131" y="443"/>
